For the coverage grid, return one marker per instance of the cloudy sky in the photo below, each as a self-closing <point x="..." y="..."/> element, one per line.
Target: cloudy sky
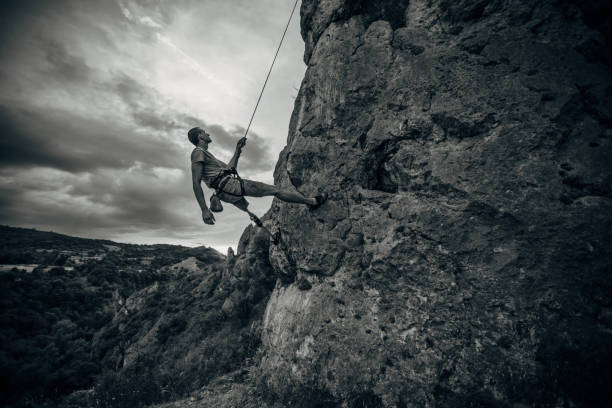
<point x="97" y="97"/>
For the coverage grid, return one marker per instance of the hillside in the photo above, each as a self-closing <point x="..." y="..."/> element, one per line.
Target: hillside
<point x="65" y="305"/>
<point x="30" y="246"/>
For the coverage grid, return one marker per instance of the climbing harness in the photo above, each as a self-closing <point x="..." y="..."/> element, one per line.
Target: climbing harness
<point x="226" y="176"/>
<point x="219" y="182"/>
<point x="215" y="203"/>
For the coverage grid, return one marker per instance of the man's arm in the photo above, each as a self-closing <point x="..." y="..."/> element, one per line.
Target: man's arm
<point x="234" y="162"/>
<point x="196" y="178"/>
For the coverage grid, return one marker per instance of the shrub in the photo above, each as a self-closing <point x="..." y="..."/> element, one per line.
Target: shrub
<point x="171" y="327"/>
<point x="126" y="390"/>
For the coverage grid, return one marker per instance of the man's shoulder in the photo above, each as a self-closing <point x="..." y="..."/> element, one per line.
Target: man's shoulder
<point x="198" y="155"/>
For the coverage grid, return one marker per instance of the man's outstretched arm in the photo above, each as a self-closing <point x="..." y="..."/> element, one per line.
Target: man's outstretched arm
<point x="234" y="162"/>
<point x="196" y="178"/>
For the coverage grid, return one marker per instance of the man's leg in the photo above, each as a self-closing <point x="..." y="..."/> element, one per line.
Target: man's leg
<point x="258" y="189"/>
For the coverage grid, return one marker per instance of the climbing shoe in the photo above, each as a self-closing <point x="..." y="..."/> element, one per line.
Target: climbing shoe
<point x="320" y="200"/>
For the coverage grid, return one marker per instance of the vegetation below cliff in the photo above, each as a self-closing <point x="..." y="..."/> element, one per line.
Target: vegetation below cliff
<point x="139" y="324"/>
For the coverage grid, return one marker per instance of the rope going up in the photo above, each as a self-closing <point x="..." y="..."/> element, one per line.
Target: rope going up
<point x="270" y="70"/>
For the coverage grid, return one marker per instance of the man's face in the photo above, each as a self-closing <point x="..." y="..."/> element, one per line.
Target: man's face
<point x="205" y="136"/>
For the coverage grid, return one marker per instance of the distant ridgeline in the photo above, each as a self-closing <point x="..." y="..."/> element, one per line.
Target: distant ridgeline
<point x="30" y="246"/>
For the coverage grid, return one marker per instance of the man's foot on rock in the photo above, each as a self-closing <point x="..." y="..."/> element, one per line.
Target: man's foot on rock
<point x="320" y="199"/>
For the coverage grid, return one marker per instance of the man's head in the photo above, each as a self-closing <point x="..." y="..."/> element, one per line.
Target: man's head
<point x="197" y="134"/>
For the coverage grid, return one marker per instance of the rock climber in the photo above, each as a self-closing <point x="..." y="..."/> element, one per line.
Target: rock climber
<point x="232" y="189"/>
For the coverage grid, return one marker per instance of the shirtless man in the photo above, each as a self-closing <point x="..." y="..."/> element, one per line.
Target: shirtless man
<point x="206" y="167"/>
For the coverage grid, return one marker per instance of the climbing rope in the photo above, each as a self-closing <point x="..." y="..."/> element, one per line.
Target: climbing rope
<point x="276" y="238"/>
<point x="270" y="70"/>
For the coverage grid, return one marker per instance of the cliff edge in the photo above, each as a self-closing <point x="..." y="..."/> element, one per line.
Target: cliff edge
<point x="464" y="255"/>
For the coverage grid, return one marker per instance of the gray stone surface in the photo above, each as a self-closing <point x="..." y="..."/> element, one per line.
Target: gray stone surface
<point x="464" y="255"/>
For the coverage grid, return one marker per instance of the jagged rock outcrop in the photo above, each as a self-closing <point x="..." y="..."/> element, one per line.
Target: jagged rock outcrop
<point x="464" y="255"/>
<point x="199" y="324"/>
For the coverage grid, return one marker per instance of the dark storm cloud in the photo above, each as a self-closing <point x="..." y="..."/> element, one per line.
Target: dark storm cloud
<point x="100" y="201"/>
<point x="14" y="16"/>
<point x="65" y="66"/>
<point x="61" y="140"/>
<point x="131" y="199"/>
<point x="23" y="21"/>
<point x="147" y="107"/>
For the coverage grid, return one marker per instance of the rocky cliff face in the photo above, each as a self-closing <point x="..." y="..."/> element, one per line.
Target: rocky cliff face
<point x="464" y="256"/>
